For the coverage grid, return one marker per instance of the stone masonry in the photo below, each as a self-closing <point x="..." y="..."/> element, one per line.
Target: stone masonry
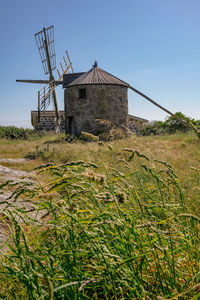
<point x="136" y="124"/>
<point x="105" y="102"/>
<point x="47" y="120"/>
<point x="48" y="123"/>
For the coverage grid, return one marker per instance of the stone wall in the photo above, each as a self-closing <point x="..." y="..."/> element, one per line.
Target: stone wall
<point x="47" y="120"/>
<point x="107" y="102"/>
<point x="48" y="123"/>
<point x="136" y="124"/>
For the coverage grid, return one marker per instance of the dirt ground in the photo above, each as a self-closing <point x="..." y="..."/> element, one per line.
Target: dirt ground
<point x="6" y="195"/>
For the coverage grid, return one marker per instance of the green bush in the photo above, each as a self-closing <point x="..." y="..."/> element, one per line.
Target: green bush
<point x="156" y="128"/>
<point x="171" y="125"/>
<point x="12" y="132"/>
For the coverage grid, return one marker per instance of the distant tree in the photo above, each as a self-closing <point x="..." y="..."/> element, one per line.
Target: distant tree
<point x="177" y="123"/>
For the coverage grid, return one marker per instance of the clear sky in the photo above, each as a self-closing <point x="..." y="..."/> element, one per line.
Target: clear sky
<point x="154" y="45"/>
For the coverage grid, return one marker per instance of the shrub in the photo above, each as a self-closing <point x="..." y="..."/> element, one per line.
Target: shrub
<point x="155" y="128"/>
<point x="12" y="132"/>
<point x="171" y="125"/>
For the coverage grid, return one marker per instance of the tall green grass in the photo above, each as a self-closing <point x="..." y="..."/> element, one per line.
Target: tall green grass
<point x="116" y="235"/>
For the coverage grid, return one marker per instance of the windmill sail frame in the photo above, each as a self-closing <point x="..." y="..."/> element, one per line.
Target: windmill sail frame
<point x="46" y="47"/>
<point x="44" y="40"/>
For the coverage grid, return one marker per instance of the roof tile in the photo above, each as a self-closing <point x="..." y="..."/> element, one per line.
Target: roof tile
<point x="97" y="75"/>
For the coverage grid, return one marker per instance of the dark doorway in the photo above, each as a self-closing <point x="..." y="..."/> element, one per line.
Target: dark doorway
<point x="71" y="125"/>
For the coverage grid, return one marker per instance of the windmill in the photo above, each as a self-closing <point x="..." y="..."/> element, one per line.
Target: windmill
<point x="47" y="94"/>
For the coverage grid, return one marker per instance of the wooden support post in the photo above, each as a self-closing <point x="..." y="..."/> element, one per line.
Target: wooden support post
<point x="51" y="78"/>
<point x="38" y="106"/>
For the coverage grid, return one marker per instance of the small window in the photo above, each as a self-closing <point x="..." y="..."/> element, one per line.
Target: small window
<point x="82" y="93"/>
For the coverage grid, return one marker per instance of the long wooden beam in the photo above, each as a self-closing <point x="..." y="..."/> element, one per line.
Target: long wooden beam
<point x="57" y="82"/>
<point x="33" y="81"/>
<point x="197" y="131"/>
<point x="152" y="101"/>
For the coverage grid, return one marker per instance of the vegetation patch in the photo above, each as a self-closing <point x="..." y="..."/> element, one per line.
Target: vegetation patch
<point x="172" y="125"/>
<point x="127" y="232"/>
<point x="12" y="132"/>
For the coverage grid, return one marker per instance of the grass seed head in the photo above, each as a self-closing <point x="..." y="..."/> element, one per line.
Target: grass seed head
<point x="97" y="177"/>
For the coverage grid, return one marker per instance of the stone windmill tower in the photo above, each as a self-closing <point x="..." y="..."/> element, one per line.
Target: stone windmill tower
<point x="93" y="95"/>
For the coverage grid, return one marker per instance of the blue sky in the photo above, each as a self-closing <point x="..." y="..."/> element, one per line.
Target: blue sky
<point x="154" y="45"/>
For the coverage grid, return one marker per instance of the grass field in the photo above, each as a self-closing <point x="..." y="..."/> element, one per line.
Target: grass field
<point x="120" y="220"/>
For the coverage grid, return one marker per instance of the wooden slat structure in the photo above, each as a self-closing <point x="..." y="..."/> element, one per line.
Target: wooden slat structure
<point x="46" y="48"/>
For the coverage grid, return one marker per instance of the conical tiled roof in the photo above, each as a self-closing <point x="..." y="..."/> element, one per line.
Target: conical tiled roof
<point x="97" y="76"/>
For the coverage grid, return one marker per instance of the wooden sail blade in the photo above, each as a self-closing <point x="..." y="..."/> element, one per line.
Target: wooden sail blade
<point x="65" y="67"/>
<point x="69" y="61"/>
<point x="45" y="43"/>
<point x="33" y="81"/>
<point x="45" y="94"/>
<point x="57" y="82"/>
<point x="46" y="47"/>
